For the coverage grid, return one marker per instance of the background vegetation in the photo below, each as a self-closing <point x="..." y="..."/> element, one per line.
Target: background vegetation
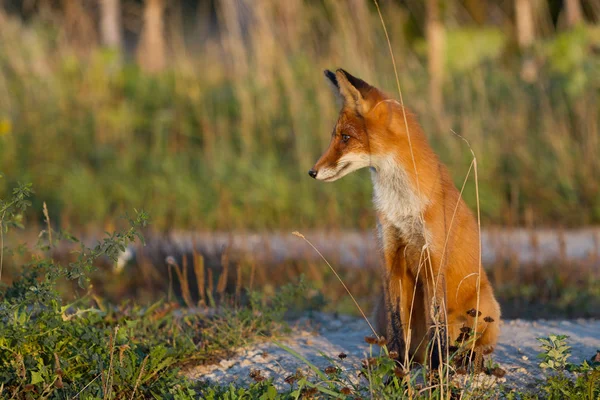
<point x="91" y="349"/>
<point x="207" y="114"/>
<point x="214" y="124"/>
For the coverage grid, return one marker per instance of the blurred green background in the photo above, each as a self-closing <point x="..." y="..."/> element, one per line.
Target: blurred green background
<point x="207" y="114"/>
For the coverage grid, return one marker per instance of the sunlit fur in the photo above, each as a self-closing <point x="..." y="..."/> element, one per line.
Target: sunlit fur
<point x="347" y="163"/>
<point x="429" y="237"/>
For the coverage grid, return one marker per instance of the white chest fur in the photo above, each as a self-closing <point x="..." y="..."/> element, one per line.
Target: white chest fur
<point x="397" y="200"/>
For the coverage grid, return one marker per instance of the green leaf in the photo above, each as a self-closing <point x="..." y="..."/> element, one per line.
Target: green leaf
<point x="36" y="377"/>
<point x="271" y="392"/>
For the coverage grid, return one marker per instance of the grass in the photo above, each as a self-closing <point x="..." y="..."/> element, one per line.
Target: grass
<point x="89" y="347"/>
<point x="224" y="140"/>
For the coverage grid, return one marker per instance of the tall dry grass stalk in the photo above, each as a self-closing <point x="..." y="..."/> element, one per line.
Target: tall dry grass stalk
<point x="1" y="245"/>
<point x="250" y="103"/>
<point x="301" y="236"/>
<point x="139" y="378"/>
<point x="200" y="279"/>
<point x="222" y="283"/>
<point x="182" y="276"/>
<point x="439" y="330"/>
<point x="107" y="380"/>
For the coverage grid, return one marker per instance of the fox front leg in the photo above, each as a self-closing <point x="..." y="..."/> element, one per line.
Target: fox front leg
<point x="395" y="335"/>
<point x="397" y="309"/>
<point x="435" y="307"/>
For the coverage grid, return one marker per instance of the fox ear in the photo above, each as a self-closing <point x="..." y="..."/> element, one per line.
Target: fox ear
<point x="332" y="79"/>
<point x="353" y="90"/>
<point x="335" y="87"/>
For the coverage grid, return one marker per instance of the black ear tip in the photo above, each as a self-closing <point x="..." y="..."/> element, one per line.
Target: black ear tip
<point x="331" y="76"/>
<point x="352" y="79"/>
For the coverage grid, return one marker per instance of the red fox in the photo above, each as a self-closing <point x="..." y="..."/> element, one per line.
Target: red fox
<point x="433" y="281"/>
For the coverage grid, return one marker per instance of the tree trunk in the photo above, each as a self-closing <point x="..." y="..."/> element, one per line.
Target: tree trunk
<point x="526" y="37"/>
<point x="152" y="49"/>
<point x="110" y="24"/>
<point x="573" y="12"/>
<point x="435" y="55"/>
<point x="524" y="17"/>
<point x="477" y="9"/>
<point x="79" y="27"/>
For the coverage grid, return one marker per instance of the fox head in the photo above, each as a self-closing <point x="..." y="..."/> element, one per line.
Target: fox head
<point x="356" y="137"/>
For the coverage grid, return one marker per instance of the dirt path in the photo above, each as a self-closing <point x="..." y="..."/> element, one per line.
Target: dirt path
<point x="327" y="336"/>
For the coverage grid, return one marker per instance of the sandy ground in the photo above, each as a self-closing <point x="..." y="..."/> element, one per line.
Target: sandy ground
<point x="327" y="336"/>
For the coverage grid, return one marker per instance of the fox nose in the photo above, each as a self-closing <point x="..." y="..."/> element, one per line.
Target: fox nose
<point x="312" y="173"/>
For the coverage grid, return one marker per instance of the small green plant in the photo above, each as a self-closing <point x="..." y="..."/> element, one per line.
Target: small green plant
<point x="11" y="210"/>
<point x="89" y="349"/>
<point x="583" y="383"/>
<point x="555" y="353"/>
<point x="263" y="390"/>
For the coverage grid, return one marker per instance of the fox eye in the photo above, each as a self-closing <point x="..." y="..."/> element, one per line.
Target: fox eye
<point x="345" y="138"/>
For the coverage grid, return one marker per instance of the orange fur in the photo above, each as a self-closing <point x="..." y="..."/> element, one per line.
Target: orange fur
<point x="428" y="235"/>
